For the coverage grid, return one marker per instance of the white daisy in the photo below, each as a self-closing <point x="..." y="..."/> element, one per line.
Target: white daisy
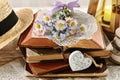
<point x="68" y="20"/>
<point x="60" y="25"/>
<point x="83" y="28"/>
<point x="73" y="24"/>
<point x="46" y="18"/>
<point x="39" y="28"/>
<point x="85" y="31"/>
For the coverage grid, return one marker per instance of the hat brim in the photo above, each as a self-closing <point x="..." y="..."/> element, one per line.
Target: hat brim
<point x="25" y="19"/>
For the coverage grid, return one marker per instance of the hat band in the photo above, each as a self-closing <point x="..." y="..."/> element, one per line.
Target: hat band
<point x="8" y="23"/>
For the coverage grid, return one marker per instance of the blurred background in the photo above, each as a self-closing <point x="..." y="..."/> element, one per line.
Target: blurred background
<point x="42" y="3"/>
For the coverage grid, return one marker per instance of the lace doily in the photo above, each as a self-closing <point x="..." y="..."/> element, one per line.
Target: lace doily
<point x="82" y="18"/>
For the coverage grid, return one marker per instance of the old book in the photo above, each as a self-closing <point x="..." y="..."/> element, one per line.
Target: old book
<point x="28" y="40"/>
<point x="66" y="71"/>
<point x="47" y="66"/>
<point x="36" y="55"/>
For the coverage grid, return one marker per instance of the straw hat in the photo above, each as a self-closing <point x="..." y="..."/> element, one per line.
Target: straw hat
<point x="12" y="24"/>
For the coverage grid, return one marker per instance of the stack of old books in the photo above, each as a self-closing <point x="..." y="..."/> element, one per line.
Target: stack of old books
<point x="44" y="58"/>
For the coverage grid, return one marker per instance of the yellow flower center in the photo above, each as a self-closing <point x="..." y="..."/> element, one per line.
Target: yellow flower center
<point x="73" y="24"/>
<point x="38" y="26"/>
<point x="68" y="21"/>
<point x="47" y="19"/>
<point x="40" y="31"/>
<point x="56" y="37"/>
<point x="82" y="29"/>
<point x="60" y="25"/>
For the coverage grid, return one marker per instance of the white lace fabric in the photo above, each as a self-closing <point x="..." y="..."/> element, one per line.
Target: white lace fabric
<point x="82" y="18"/>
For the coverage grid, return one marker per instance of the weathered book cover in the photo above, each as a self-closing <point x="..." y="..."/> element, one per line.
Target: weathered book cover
<point x="36" y="55"/>
<point x="47" y="66"/>
<point x="92" y="71"/>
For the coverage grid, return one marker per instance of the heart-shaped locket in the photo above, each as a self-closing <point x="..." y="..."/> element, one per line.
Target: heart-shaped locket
<point x="78" y="62"/>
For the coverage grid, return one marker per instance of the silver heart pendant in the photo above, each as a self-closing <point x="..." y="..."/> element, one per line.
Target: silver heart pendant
<point x="78" y="62"/>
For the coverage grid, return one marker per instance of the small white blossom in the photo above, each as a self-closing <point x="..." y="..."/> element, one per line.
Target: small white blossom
<point x="68" y="20"/>
<point x="60" y="25"/>
<point x="73" y="24"/>
<point x="83" y="28"/>
<point x="40" y="30"/>
<point x="46" y="18"/>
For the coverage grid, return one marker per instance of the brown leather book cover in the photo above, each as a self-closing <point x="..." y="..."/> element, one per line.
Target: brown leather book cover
<point x="39" y="54"/>
<point x="92" y="71"/>
<point x="47" y="66"/>
<point x="96" y="42"/>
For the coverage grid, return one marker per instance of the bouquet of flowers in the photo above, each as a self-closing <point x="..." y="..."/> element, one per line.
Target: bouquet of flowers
<point x="62" y="26"/>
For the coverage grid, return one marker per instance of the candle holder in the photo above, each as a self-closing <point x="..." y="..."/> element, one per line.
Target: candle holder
<point x="105" y="22"/>
<point x="108" y="18"/>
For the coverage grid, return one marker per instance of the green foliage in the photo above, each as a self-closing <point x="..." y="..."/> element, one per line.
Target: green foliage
<point x="62" y="14"/>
